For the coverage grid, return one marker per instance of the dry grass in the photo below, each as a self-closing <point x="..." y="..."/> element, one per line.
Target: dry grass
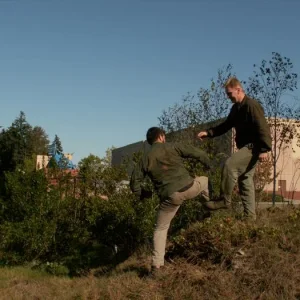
<point x="255" y="261"/>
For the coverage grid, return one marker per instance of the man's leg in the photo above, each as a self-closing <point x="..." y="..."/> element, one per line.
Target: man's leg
<point x="200" y="187"/>
<point x="234" y="166"/>
<point x="165" y="215"/>
<point x="230" y="175"/>
<point x="247" y="190"/>
<point x="167" y="212"/>
<point x="204" y="187"/>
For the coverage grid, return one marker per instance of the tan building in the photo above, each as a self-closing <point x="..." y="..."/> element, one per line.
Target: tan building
<point x="42" y="161"/>
<point x="288" y="159"/>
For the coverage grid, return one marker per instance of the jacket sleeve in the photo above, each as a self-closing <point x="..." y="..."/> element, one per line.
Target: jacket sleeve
<point x="223" y="127"/>
<point x="189" y="151"/>
<point x="261" y="127"/>
<point x="136" y="179"/>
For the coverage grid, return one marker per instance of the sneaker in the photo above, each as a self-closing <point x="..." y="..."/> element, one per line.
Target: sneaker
<point x="154" y="271"/>
<point x="214" y="205"/>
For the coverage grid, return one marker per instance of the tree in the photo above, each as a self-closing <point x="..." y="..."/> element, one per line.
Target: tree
<point x="271" y="84"/>
<point x="21" y="142"/>
<point x="21" y="131"/>
<point x="262" y="176"/>
<point x="108" y="156"/>
<point x="38" y="140"/>
<point x="96" y="178"/>
<point x="58" y="145"/>
<point x="295" y="178"/>
<point x="90" y="169"/>
<point x="7" y="142"/>
<point x="207" y="108"/>
<point x="14" y="144"/>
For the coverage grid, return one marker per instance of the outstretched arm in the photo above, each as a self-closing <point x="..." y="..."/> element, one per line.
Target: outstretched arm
<point x="220" y="129"/>
<point x="189" y="151"/>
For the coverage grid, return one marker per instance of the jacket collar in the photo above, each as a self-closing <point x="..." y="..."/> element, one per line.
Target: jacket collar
<point x="245" y="99"/>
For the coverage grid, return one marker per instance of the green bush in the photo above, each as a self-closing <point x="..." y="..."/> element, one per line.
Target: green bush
<point x="54" y="268"/>
<point x="123" y="222"/>
<point x="217" y="239"/>
<point x="38" y="224"/>
<point x="28" y="214"/>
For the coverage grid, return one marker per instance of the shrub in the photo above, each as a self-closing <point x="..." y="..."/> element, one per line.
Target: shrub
<point x="123" y="222"/>
<point x="216" y="239"/>
<point x="38" y="224"/>
<point x="54" y="268"/>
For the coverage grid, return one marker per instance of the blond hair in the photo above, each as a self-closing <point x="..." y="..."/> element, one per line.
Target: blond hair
<point x="232" y="82"/>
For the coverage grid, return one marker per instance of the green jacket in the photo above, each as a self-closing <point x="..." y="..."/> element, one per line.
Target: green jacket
<point x="164" y="165"/>
<point x="250" y="125"/>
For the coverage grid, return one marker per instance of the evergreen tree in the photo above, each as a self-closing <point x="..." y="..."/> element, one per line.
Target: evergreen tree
<point x="58" y="145"/>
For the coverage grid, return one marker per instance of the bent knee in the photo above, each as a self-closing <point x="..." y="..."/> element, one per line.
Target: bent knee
<point x="203" y="181"/>
<point x="230" y="165"/>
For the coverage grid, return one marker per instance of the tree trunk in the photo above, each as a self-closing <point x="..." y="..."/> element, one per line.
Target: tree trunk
<point x="274" y="161"/>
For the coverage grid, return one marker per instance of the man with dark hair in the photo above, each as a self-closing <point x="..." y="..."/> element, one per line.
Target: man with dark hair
<point x="153" y="134"/>
<point x="173" y="183"/>
<point x="253" y="140"/>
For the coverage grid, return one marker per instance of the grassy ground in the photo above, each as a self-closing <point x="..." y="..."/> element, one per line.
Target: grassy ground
<point x="221" y="258"/>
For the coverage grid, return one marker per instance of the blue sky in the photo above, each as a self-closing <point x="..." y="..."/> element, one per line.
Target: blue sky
<point x="100" y="73"/>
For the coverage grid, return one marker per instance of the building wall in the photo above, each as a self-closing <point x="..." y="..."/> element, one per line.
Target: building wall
<point x="288" y="163"/>
<point x="42" y="161"/>
<point x="288" y="167"/>
<point x="125" y="154"/>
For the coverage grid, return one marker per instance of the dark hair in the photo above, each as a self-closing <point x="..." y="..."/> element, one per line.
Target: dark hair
<point x="153" y="134"/>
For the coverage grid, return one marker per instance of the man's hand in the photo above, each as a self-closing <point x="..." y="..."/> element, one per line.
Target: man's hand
<point x="202" y="135"/>
<point x="263" y="157"/>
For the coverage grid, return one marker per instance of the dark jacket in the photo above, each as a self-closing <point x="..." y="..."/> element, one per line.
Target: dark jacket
<point x="250" y="125"/>
<point x="164" y="165"/>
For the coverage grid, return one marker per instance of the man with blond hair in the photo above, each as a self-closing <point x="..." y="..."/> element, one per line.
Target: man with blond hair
<point x="253" y="141"/>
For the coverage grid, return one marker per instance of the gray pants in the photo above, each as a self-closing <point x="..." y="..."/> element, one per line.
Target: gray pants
<point x="240" y="167"/>
<point x="166" y="213"/>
